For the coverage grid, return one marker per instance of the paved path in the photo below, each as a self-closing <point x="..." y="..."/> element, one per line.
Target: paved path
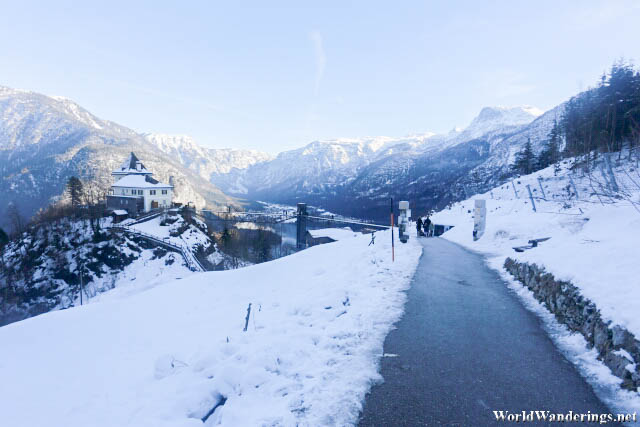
<point x="466" y="346"/>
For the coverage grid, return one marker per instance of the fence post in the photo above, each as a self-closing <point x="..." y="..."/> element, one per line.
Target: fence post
<point x="544" y="196"/>
<point x="246" y="320"/>
<point x="514" y="189"/>
<point x="533" y="204"/>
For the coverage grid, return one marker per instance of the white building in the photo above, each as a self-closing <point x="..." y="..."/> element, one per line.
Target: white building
<point x="135" y="191"/>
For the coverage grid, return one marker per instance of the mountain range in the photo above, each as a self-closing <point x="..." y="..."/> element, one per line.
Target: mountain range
<point x="358" y="176"/>
<point x="44" y="140"/>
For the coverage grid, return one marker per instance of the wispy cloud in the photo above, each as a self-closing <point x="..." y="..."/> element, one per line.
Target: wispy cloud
<point x="320" y="57"/>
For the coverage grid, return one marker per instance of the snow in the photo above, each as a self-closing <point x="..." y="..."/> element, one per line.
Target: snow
<point x="333" y="233"/>
<point x="593" y="237"/>
<point x="593" y="245"/>
<point x="145" y="272"/>
<point x="138" y="181"/>
<point x="191" y="237"/>
<point x="120" y="212"/>
<point x="166" y="355"/>
<point x="574" y="347"/>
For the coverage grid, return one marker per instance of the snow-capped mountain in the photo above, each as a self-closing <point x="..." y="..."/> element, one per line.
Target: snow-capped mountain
<point x="205" y="161"/>
<point x="327" y="162"/>
<point x="499" y="119"/>
<point x="352" y="176"/>
<point x="45" y="140"/>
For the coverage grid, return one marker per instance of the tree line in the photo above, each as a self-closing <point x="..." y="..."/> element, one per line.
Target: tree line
<point x="603" y="119"/>
<point x="80" y="200"/>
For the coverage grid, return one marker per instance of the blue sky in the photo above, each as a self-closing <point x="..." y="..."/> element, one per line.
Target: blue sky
<point x="276" y="75"/>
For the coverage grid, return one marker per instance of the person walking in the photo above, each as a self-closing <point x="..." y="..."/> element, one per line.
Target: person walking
<point x="419" y="227"/>
<point x="427" y="227"/>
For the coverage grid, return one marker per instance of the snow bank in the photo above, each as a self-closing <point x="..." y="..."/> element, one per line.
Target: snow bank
<point x="190" y="237"/>
<point x="593" y="244"/>
<point x="333" y="233"/>
<point x="166" y="356"/>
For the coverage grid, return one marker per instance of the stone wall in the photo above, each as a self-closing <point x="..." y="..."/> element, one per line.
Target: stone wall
<point x="615" y="345"/>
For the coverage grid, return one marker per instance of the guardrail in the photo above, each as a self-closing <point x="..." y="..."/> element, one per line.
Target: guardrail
<point x="190" y="259"/>
<point x="147" y="217"/>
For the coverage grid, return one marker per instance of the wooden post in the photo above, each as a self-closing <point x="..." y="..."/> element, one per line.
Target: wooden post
<point x="246" y="320"/>
<point x="514" y="190"/>
<point x="544" y="196"/>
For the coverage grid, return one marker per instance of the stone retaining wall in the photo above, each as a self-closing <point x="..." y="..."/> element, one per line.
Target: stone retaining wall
<point x="615" y="345"/>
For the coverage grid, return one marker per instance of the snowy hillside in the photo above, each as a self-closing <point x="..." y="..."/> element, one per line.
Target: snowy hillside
<point x="45" y="268"/>
<point x="593" y="231"/>
<point x="29" y="118"/>
<point x="583" y="228"/>
<point x="180" y="352"/>
<point x="45" y="140"/>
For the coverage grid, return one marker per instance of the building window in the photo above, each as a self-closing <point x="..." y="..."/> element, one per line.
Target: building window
<point x="152" y="192"/>
<point x="140" y="192"/>
<point x="164" y="191"/>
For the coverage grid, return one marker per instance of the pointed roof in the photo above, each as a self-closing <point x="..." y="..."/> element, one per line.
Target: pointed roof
<point x="131" y="166"/>
<point x="139" y="181"/>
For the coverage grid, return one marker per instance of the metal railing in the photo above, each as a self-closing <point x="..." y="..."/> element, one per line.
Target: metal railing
<point x="147" y="217"/>
<point x="183" y="249"/>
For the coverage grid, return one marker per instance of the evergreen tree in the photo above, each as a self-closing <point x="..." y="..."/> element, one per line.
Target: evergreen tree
<point x="550" y="154"/>
<point x="525" y="159"/>
<point x="4" y="238"/>
<point x="74" y="187"/>
<point x="606" y="117"/>
<point x="226" y="239"/>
